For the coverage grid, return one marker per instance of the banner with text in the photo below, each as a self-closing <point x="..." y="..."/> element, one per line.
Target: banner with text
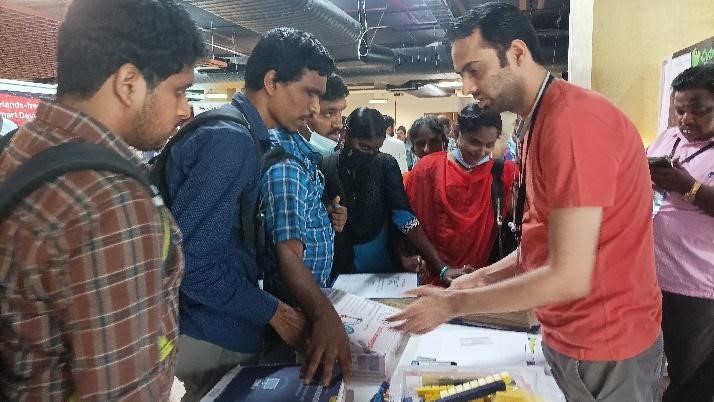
<point x="19" y="99"/>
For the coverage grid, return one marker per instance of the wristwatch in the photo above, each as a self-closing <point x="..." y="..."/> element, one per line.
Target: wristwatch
<point x="692" y="193"/>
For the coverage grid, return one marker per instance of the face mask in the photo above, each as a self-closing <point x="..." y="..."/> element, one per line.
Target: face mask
<point x="358" y="158"/>
<point x="460" y="158"/>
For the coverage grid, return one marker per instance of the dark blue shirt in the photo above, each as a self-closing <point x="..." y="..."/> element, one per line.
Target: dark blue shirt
<point x="220" y="301"/>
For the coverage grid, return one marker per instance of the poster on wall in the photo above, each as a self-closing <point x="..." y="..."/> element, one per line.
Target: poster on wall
<point x="700" y="53"/>
<point x="19" y="99"/>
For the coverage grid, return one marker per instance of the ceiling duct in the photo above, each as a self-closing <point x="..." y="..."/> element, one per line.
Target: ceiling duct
<point x="420" y="89"/>
<point x="323" y="19"/>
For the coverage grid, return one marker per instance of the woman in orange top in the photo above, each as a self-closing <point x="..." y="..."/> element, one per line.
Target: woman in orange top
<point x="450" y="192"/>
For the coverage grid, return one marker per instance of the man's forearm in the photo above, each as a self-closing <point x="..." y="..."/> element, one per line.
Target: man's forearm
<point x="573" y="239"/>
<point x="299" y="279"/>
<point x="523" y="292"/>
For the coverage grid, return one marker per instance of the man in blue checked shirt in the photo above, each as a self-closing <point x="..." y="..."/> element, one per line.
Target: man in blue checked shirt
<point x="292" y="201"/>
<point x="298" y="223"/>
<point x="299" y="227"/>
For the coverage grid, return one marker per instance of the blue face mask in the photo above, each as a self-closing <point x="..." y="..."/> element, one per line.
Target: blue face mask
<point x="460" y="158"/>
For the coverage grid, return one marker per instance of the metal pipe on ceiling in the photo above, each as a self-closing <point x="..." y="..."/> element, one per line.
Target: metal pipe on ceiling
<point x="332" y="26"/>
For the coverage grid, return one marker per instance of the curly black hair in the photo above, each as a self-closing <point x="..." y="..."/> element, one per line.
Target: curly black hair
<point x="500" y="24"/>
<point x="99" y="36"/>
<point x="429" y="122"/>
<point x="336" y="88"/>
<point x="472" y="117"/>
<point x="699" y="77"/>
<point x="366" y="123"/>
<point x="288" y="51"/>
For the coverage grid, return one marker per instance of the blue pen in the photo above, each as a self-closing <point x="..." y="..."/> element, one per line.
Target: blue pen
<point x="379" y="396"/>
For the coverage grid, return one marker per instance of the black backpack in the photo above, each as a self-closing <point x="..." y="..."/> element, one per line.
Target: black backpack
<point x="55" y="161"/>
<point x="252" y="223"/>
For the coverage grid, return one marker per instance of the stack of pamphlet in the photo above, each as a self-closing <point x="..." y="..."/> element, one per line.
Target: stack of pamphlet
<point x="376" y="347"/>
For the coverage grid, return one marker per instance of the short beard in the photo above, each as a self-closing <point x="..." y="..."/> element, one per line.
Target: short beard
<point x="509" y="93"/>
<point x="141" y="136"/>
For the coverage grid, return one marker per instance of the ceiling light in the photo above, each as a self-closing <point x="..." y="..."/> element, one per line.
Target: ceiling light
<point x="449" y="84"/>
<point x="432" y="90"/>
<point x="216" y="96"/>
<point x="378" y="101"/>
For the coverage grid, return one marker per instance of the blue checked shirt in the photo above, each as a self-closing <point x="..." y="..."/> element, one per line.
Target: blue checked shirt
<point x="292" y="204"/>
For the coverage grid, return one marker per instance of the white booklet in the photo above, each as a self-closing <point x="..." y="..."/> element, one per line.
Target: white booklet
<point x="377" y="286"/>
<point x="376" y="347"/>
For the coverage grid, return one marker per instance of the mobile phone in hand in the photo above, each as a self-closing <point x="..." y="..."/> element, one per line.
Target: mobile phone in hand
<point x="659" y="161"/>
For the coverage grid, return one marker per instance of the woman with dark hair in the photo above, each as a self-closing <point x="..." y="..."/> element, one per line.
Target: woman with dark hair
<point x="426" y="136"/>
<point x="370" y="185"/>
<point x="451" y="191"/>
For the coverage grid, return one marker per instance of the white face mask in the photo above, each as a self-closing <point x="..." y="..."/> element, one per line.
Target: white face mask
<point x="460" y="158"/>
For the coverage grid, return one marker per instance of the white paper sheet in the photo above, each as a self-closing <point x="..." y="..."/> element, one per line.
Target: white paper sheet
<point x="377" y="286"/>
<point x="472" y="346"/>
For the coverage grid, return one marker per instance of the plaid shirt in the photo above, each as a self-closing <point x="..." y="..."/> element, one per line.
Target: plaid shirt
<point x="292" y="201"/>
<point x="87" y="307"/>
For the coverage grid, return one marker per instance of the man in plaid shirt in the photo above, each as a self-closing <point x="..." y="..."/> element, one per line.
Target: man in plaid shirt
<point x="89" y="288"/>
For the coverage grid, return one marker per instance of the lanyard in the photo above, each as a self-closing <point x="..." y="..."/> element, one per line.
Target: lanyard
<point x="528" y="123"/>
<point x="692" y="156"/>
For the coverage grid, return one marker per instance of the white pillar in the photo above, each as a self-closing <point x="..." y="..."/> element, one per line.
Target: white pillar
<point x="580" y="48"/>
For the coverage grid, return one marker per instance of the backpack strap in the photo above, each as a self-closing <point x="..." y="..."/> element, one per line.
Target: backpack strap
<point x="157" y="174"/>
<point x="253" y="217"/>
<point x="333" y="184"/>
<point x="5" y="139"/>
<point x="64" y="158"/>
<point x="69" y="157"/>
<point x="278" y="154"/>
<point x="58" y="160"/>
<point x="497" y="200"/>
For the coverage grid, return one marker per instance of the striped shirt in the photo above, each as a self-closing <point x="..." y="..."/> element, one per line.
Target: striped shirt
<point x="292" y="200"/>
<point x="88" y="309"/>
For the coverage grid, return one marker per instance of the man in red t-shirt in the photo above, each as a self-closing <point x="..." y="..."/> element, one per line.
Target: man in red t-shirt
<point x="586" y="261"/>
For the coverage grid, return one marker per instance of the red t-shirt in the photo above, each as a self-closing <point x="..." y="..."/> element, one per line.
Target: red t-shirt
<point x="586" y="153"/>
